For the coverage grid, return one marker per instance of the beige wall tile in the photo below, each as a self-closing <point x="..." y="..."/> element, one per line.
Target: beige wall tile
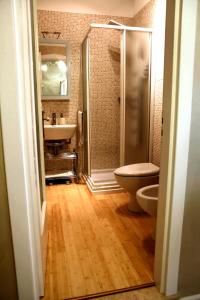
<point x="104" y="79"/>
<point x="104" y="84"/>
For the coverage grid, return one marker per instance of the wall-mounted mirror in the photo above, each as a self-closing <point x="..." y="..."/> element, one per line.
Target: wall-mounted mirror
<point x="55" y="68"/>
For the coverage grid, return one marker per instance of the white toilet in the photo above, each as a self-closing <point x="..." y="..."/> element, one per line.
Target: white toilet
<point x="147" y="198"/>
<point x="133" y="177"/>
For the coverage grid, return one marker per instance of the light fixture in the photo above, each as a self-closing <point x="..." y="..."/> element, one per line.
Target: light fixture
<point x="44" y="67"/>
<point x="48" y="34"/>
<point x="61" y="65"/>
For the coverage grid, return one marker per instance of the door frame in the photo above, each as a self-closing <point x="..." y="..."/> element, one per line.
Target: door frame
<point x="181" y="21"/>
<point x="20" y="145"/>
<point x="19" y="138"/>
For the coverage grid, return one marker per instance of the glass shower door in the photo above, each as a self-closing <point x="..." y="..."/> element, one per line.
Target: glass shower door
<point x="104" y="103"/>
<point x="137" y="96"/>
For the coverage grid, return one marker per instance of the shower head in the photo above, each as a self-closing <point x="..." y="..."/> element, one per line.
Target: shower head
<point x="112" y="22"/>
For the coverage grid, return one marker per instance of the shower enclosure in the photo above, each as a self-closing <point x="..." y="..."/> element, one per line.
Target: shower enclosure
<point x="116" y="69"/>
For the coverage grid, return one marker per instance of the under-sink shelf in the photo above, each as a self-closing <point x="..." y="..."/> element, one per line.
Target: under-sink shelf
<point x="70" y="174"/>
<point x="68" y="160"/>
<point x="64" y="155"/>
<point x="61" y="177"/>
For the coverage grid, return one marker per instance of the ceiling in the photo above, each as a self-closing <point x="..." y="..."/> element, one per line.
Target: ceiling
<point x="125" y="8"/>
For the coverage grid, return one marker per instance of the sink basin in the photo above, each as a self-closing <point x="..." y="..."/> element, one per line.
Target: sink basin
<point x="59" y="132"/>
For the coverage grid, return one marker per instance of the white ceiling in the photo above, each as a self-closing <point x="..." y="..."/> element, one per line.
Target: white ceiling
<point x="125" y="8"/>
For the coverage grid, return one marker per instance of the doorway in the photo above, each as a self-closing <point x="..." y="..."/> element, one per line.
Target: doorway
<point x="19" y="224"/>
<point x="109" y="213"/>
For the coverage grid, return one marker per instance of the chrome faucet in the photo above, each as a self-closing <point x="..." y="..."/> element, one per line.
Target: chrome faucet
<point x="53" y="119"/>
<point x="43" y="117"/>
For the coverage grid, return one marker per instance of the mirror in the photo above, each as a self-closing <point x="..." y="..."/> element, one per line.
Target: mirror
<point x="55" y="69"/>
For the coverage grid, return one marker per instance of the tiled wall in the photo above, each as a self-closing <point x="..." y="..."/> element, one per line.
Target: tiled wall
<point x="104" y="87"/>
<point x="105" y="129"/>
<point x="153" y="15"/>
<point x="145" y="17"/>
<point x="74" y="27"/>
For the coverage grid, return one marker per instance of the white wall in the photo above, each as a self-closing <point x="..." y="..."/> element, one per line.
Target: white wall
<point x="189" y="278"/>
<point x="127" y="8"/>
<point x="17" y="98"/>
<point x="178" y="85"/>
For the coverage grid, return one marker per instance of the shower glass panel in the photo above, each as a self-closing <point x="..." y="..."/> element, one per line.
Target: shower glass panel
<point x="137" y="97"/>
<point x="104" y="93"/>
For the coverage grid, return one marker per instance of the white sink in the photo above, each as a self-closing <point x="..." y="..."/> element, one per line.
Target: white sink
<point x="59" y="132"/>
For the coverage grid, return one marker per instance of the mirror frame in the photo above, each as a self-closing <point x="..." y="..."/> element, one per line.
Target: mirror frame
<point x="68" y="52"/>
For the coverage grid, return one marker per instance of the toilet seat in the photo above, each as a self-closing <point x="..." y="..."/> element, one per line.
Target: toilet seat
<point x="137" y="170"/>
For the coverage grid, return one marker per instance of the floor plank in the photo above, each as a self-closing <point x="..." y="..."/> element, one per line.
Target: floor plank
<point x="94" y="244"/>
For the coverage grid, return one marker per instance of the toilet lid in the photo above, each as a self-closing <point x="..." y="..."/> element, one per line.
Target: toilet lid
<point x="142" y="169"/>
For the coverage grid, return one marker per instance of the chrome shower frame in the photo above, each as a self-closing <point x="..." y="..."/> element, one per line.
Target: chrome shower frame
<point x="123" y="30"/>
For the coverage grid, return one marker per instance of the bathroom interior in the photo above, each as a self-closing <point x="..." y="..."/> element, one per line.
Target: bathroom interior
<point x="101" y="73"/>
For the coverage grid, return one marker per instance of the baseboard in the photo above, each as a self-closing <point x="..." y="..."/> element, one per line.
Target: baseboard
<point x="43" y="215"/>
<point x="173" y="297"/>
<point x="178" y="297"/>
<point x="193" y="297"/>
<point x="44" y="236"/>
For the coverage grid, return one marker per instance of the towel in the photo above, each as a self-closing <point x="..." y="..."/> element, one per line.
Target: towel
<point x="80" y="128"/>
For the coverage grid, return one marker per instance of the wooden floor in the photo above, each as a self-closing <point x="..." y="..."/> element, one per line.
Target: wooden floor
<point x="94" y="244"/>
<point x="150" y="293"/>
